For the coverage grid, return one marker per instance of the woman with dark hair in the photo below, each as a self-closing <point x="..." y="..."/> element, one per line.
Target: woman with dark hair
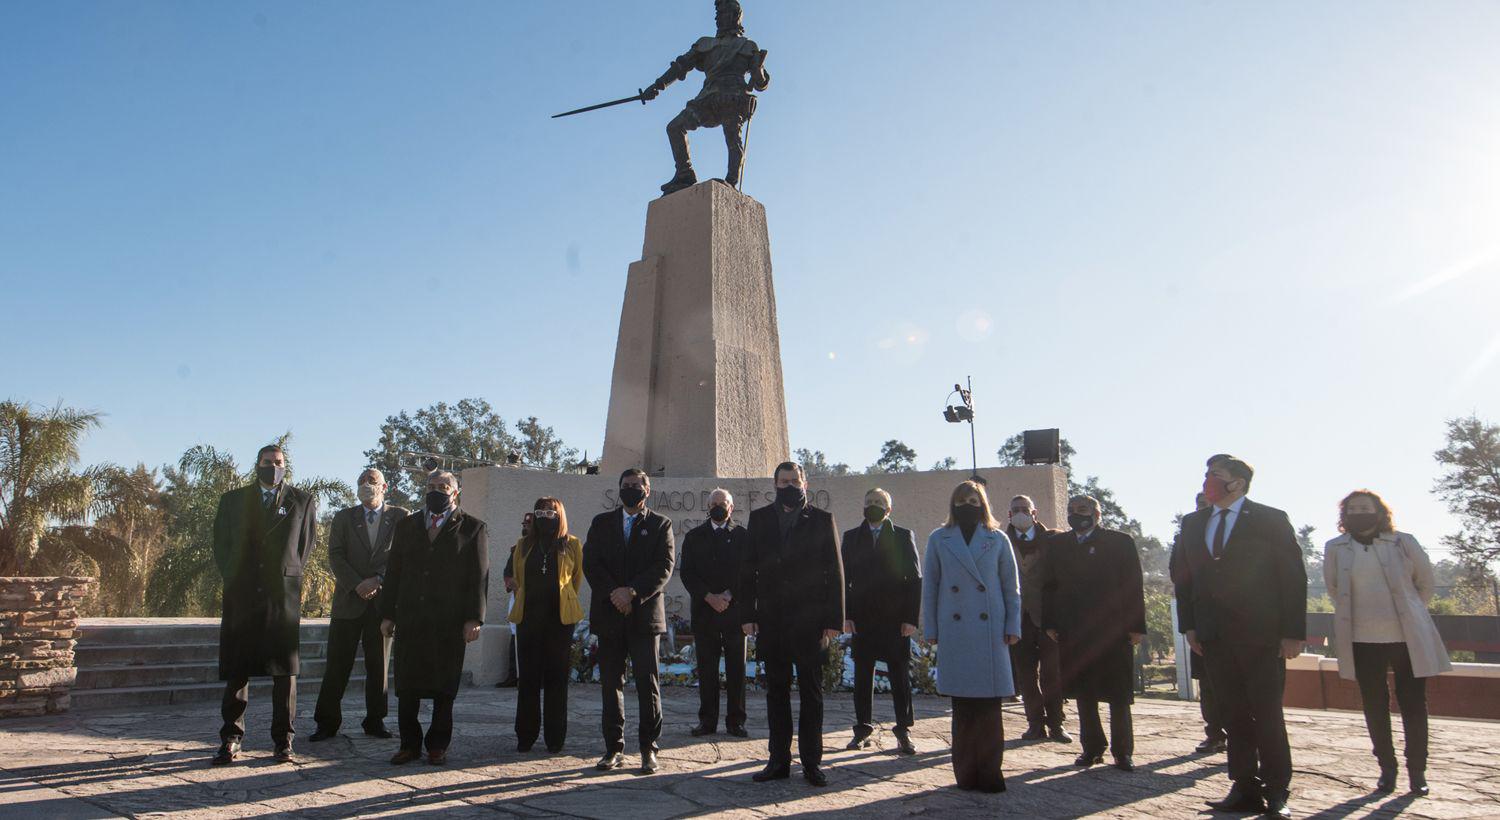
<point x="1380" y="581"/>
<point x="971" y="600"/>
<point x="548" y="568"/>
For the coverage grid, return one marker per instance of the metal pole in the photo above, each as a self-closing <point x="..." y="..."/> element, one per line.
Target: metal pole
<point x="973" y="447"/>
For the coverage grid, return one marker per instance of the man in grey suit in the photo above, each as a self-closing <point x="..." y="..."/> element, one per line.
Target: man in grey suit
<point x="358" y="548"/>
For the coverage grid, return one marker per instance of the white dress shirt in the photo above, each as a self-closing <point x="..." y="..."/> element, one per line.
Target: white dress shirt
<point x="1215" y="513"/>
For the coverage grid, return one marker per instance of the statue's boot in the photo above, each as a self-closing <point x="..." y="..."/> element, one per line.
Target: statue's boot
<point x="685" y="178"/>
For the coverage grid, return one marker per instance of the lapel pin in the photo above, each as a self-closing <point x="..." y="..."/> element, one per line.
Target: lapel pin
<point x="281" y="510"/>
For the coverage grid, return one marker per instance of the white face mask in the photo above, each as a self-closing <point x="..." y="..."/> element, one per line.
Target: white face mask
<point x="368" y="493"/>
<point x="1021" y="521"/>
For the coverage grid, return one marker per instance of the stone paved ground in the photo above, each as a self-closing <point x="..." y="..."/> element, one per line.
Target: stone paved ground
<point x="155" y="763"/>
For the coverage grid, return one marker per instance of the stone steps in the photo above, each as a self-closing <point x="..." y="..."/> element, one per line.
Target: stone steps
<point x="131" y="663"/>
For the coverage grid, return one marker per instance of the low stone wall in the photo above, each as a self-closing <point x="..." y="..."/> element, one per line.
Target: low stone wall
<point x="1471" y="690"/>
<point x="38" y="618"/>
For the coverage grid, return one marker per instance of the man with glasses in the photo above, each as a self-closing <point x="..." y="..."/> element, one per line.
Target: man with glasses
<point x="1034" y="658"/>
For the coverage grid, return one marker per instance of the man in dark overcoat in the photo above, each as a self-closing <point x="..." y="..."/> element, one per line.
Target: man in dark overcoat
<point x="883" y="602"/>
<point x="792" y="600"/>
<point x="434" y="602"/>
<point x="1094" y="606"/>
<point x="262" y="534"/>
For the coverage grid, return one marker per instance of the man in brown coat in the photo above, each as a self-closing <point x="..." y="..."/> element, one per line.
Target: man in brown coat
<point x="1034" y="659"/>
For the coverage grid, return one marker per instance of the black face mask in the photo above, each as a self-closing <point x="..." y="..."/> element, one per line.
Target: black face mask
<point x="439" y="501"/>
<point x="874" y="514"/>
<point x="791" y="496"/>
<point x="967" y="516"/>
<point x="1360" y="523"/>
<point x="545" y="528"/>
<point x="631" y="496"/>
<point x="718" y="513"/>
<point x="269" y="475"/>
<point x="1080" y="523"/>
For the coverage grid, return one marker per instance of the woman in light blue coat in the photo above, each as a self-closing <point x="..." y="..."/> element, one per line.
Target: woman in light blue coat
<point x="971" y="607"/>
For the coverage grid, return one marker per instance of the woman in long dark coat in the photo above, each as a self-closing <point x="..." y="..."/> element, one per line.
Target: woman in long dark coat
<point x="434" y="599"/>
<point x="1094" y="606"/>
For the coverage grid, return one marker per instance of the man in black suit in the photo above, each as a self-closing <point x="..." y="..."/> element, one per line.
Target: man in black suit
<point x="711" y="556"/>
<point x="262" y="534"/>
<point x="436" y="588"/>
<point x="1242" y="603"/>
<point x="627" y="559"/>
<point x="1214" y="738"/>
<point x="359" y="547"/>
<point x="792" y="601"/>
<point x="1034" y="658"/>
<point x="883" y="602"/>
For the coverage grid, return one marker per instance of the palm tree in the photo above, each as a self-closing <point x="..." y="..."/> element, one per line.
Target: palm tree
<point x="121" y="545"/>
<point x="38" y="450"/>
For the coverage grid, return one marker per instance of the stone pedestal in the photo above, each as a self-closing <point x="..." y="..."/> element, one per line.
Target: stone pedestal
<point x="38" y="617"/>
<point x="697" y="385"/>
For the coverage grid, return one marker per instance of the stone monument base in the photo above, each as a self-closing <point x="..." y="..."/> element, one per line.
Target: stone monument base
<point x="501" y="496"/>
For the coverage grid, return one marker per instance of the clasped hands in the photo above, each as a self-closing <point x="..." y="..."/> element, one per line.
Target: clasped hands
<point x="623" y="598"/>
<point x="719" y="601"/>
<point x="367" y="588"/>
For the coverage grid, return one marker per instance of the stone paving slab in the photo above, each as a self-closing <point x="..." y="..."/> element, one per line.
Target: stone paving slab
<point x="154" y="763"/>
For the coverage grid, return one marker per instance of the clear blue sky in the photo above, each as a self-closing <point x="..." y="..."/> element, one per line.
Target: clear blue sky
<point x="1170" y="229"/>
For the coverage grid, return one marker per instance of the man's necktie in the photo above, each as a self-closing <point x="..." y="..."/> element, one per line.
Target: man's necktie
<point x="635" y="521"/>
<point x="268" y="498"/>
<point x="432" y="527"/>
<point x="370" y="518"/>
<point x="1219" y="533"/>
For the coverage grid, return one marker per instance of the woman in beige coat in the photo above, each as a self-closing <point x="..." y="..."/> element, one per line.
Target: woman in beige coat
<point x="1380" y="581"/>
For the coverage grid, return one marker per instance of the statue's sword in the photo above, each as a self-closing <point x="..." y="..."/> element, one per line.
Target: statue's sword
<point x="640" y="95"/>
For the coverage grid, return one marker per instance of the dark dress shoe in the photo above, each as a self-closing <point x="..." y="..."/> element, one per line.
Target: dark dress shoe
<point x="1239" y="799"/>
<point x="552" y="750"/>
<point x="1212" y="746"/>
<point x="438" y="757"/>
<point x="1059" y="734"/>
<point x="648" y="762"/>
<point x="508" y="684"/>
<point x="773" y="771"/>
<point x="1387" y="781"/>
<point x="378" y="730"/>
<point x="323" y="734"/>
<point x="700" y="731"/>
<point x="283" y="754"/>
<point x="1125" y="764"/>
<point x="1087" y="759"/>
<point x="737" y="731"/>
<point x="611" y="760"/>
<point x="523" y="748"/>
<point x="859" y="742"/>
<point x="1418" y="783"/>
<point x="1276" y="806"/>
<point x="228" y="751"/>
<point x="904" y="744"/>
<point x="814" y="775"/>
<point x="1034" y="733"/>
<point x="403" y="756"/>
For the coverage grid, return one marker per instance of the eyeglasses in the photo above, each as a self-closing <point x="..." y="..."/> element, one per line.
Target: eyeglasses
<point x="544" y="513"/>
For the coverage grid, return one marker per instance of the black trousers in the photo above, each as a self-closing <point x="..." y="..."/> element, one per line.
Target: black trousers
<point x="283" y="708"/>
<point x="1034" y="659"/>
<point x="543" y="670"/>
<point x="1121" y="738"/>
<point x="438" y="735"/>
<point x="712" y="641"/>
<point x="1210" y="707"/>
<point x="808" y="667"/>
<point x="979" y="744"/>
<point x="345" y="635"/>
<point x="1249" y="680"/>
<point x="642" y="650"/>
<point x="895" y="650"/>
<point x="1371" y="660"/>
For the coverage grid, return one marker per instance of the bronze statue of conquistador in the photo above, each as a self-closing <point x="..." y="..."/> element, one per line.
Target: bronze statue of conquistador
<point x="735" y="68"/>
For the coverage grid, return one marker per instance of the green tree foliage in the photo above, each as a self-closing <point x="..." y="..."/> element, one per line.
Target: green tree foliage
<point x="120" y="547"/>
<point x="814" y="463"/>
<point x="948" y="463"/>
<point x="895" y="457"/>
<point x="1012" y="451"/>
<point x="540" y="447"/>
<point x="38" y="484"/>
<point x="1470" y="485"/>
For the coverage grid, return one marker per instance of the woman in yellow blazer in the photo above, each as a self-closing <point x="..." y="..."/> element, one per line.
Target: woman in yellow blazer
<point x="547" y="568"/>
